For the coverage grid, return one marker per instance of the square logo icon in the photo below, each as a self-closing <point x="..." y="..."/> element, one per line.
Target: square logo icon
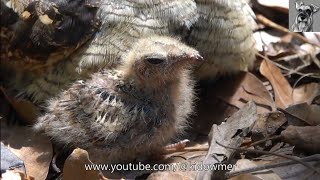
<point x="304" y="15"/>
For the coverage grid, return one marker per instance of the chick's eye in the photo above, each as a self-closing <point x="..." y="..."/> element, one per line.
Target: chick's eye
<point x="154" y="60"/>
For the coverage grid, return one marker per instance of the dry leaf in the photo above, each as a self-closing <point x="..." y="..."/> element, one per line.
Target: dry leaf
<point x="282" y="89"/>
<point x="308" y="114"/>
<point x="25" y="109"/>
<point x="297" y="171"/>
<point x="218" y="101"/>
<point x="261" y="175"/>
<point x="34" y="149"/>
<point x="306" y="93"/>
<point x="74" y="167"/>
<point x="180" y="175"/>
<point x="243" y="88"/>
<point x="306" y="138"/>
<point x="228" y="133"/>
<point x="267" y="125"/>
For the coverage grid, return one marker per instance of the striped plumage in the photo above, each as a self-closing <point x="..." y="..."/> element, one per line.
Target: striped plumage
<point x="221" y="30"/>
<point x="223" y="35"/>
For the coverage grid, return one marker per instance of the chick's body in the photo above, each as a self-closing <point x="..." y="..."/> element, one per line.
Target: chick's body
<point x="129" y="111"/>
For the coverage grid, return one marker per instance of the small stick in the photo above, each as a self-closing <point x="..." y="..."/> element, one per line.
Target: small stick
<point x="313" y="75"/>
<point x="315" y="157"/>
<point x="272" y="24"/>
<point x="264" y="140"/>
<point x="298" y="160"/>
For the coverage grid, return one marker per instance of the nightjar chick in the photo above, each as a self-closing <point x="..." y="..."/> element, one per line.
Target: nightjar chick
<point x="121" y="114"/>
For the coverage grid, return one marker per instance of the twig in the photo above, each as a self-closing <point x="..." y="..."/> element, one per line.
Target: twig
<point x="312" y="75"/>
<point x="315" y="157"/>
<point x="264" y="140"/>
<point x="272" y="24"/>
<point x="297" y="81"/>
<point x="298" y="160"/>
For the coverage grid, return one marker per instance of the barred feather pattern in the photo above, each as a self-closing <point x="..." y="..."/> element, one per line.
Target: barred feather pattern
<point x="221" y="30"/>
<point x="224" y="36"/>
<point x="126" y="21"/>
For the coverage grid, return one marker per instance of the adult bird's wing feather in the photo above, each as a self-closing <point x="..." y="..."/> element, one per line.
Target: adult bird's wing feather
<point x="125" y="21"/>
<point x="224" y="36"/>
<point x="220" y="29"/>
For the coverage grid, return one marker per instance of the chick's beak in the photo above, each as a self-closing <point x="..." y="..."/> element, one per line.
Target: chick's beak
<point x="196" y="58"/>
<point x="191" y="59"/>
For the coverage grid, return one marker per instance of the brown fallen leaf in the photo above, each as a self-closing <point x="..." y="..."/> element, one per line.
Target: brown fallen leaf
<point x="74" y="167"/>
<point x="282" y="89"/>
<point x="34" y="149"/>
<point x="243" y="88"/>
<point x="179" y="175"/>
<point x="219" y="100"/>
<point x="306" y="138"/>
<point x="297" y="171"/>
<point x="306" y="93"/>
<point x="266" y="126"/>
<point x="303" y="114"/>
<point x="280" y="168"/>
<point x="25" y="109"/>
<point x="246" y="163"/>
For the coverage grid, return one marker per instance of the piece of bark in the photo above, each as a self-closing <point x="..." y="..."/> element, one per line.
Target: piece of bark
<point x="230" y="133"/>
